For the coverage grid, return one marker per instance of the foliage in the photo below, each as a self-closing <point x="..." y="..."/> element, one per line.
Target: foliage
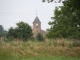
<point x="1" y="28"/>
<point x="45" y="58"/>
<point x="39" y="37"/>
<point x="22" y="31"/>
<point x="65" y="23"/>
<point x="52" y="1"/>
<point x="73" y="4"/>
<point x="11" y="32"/>
<point x="3" y="32"/>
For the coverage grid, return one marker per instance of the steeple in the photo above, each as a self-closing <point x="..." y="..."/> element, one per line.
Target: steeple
<point x="36" y="25"/>
<point x="36" y="12"/>
<point x="36" y="20"/>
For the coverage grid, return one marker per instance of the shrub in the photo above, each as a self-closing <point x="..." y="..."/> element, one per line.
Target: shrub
<point x="39" y="37"/>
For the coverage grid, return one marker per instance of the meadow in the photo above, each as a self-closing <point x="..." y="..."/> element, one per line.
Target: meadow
<point x="59" y="49"/>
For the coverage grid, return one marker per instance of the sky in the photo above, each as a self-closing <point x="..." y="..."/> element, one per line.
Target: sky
<point x="14" y="11"/>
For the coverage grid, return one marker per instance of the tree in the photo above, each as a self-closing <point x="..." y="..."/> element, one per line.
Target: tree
<point x="11" y="33"/>
<point x="3" y="32"/>
<point x="66" y="22"/>
<point x="39" y="37"/>
<point x="22" y="31"/>
<point x="52" y="1"/>
<point x="74" y="4"/>
<point x="1" y="28"/>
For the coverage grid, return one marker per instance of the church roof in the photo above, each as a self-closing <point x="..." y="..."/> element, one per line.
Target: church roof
<point x="36" y="20"/>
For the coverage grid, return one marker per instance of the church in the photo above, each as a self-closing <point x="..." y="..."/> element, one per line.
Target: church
<point x="37" y="28"/>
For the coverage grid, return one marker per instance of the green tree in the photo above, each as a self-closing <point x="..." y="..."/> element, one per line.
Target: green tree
<point x="39" y="37"/>
<point x="22" y="31"/>
<point x="65" y="23"/>
<point x="11" y="32"/>
<point x="3" y="32"/>
<point x="1" y="28"/>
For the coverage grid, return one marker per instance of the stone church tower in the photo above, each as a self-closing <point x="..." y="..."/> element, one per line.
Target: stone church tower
<point x="37" y="27"/>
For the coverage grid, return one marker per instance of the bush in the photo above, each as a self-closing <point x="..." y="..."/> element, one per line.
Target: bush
<point x="39" y="37"/>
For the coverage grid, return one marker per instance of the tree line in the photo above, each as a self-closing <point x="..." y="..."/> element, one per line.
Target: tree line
<point x="65" y="24"/>
<point x="23" y="32"/>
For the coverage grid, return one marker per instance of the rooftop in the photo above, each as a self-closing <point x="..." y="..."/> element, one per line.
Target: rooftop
<point x="36" y="20"/>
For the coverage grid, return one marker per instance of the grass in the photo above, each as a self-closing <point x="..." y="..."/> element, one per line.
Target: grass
<point x="33" y="50"/>
<point x="46" y="58"/>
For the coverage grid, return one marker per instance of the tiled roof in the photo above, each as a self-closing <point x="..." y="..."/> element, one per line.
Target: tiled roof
<point x="36" y="20"/>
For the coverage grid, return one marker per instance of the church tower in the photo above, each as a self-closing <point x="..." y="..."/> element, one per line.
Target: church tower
<point x="36" y="26"/>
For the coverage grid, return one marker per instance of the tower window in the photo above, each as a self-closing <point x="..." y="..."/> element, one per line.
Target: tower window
<point x="36" y="24"/>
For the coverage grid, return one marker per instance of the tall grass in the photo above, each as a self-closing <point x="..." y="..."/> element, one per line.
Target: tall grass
<point x="45" y="58"/>
<point x="20" y="49"/>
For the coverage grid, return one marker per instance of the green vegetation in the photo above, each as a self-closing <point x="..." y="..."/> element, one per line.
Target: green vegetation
<point x="52" y="1"/>
<point x="1" y="28"/>
<point x="3" y="32"/>
<point x="22" y="31"/>
<point x="46" y="58"/>
<point x="39" y="37"/>
<point x="35" y="50"/>
<point x="66" y="21"/>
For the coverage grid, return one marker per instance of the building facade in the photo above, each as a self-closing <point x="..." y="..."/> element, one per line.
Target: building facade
<point x="37" y="28"/>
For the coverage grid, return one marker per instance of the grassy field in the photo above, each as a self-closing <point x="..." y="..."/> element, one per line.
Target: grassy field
<point x="59" y="49"/>
<point x="45" y="58"/>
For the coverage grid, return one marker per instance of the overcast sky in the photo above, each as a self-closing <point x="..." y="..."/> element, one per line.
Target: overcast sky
<point x="13" y="11"/>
